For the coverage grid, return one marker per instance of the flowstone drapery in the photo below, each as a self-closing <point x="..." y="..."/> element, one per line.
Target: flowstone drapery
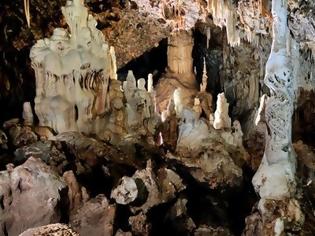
<point x="72" y="72"/>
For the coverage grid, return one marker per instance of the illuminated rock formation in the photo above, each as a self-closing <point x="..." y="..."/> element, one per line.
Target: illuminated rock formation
<point x="72" y="72"/>
<point x="140" y="109"/>
<point x="275" y="178"/>
<point x="221" y="115"/>
<point x="179" y="73"/>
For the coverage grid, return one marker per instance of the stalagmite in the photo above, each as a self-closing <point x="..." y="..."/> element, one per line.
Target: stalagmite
<point x="221" y="115"/>
<point x="72" y="71"/>
<point x="150" y="83"/>
<point x="203" y="96"/>
<point x="203" y="85"/>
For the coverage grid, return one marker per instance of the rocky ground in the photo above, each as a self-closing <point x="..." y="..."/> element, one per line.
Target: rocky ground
<point x="99" y="189"/>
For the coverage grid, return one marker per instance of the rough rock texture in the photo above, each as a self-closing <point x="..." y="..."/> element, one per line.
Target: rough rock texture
<point x="95" y="217"/>
<point x="217" y="160"/>
<point x="204" y="230"/>
<point x="77" y="195"/>
<point x="242" y="78"/>
<point x="21" y="135"/>
<point x="179" y="217"/>
<point x="152" y="187"/>
<point x="139" y="224"/>
<point x="124" y="35"/>
<point x="89" y="152"/>
<point x="306" y="166"/>
<point x="51" y="230"/>
<point x="303" y="125"/>
<point x="301" y="20"/>
<point x="3" y="139"/>
<point x="185" y="185"/>
<point x="275" y="218"/>
<point x="19" y="187"/>
<point x="48" y="151"/>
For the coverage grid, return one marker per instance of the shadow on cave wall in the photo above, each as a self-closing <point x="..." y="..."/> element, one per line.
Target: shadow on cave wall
<point x="303" y="119"/>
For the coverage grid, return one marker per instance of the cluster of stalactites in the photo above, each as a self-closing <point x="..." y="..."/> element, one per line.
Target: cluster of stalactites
<point x="178" y="15"/>
<point x="247" y="20"/>
<point x="224" y="14"/>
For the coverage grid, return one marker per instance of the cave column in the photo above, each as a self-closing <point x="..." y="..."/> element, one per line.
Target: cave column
<point x="179" y="74"/>
<point x="275" y="178"/>
<point x="179" y="53"/>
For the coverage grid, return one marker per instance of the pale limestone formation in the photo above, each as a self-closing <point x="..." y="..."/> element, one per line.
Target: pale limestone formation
<point x="192" y="132"/>
<point x="234" y="138"/>
<point x="244" y="19"/>
<point x="116" y="126"/>
<point x="72" y="72"/>
<point x="150" y="83"/>
<point x="140" y="109"/>
<point x="275" y="177"/>
<point x="203" y="85"/>
<point x="221" y="115"/>
<point x="126" y="192"/>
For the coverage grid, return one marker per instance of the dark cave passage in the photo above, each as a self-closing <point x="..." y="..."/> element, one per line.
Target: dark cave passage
<point x="153" y="61"/>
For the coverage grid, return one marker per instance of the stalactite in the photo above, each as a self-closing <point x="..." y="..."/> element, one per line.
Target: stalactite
<point x="27" y="12"/>
<point x="224" y="14"/>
